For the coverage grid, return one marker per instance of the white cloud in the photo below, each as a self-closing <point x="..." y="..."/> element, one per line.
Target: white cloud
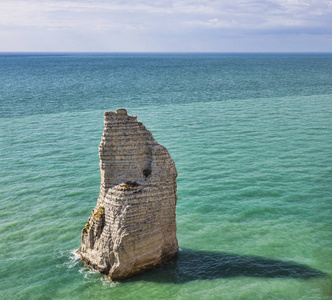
<point x="148" y="20"/>
<point x="62" y="15"/>
<point x="244" y="13"/>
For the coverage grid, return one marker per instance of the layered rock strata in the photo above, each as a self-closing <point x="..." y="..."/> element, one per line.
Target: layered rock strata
<point x="132" y="228"/>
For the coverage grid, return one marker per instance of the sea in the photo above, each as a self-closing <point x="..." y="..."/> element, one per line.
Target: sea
<point x="251" y="137"/>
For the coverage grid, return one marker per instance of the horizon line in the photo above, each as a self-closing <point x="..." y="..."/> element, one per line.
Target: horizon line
<point x="154" y="52"/>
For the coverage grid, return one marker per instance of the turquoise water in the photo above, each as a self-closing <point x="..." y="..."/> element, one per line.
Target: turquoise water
<point x="251" y="136"/>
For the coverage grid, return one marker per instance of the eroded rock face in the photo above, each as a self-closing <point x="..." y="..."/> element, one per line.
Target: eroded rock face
<point x="132" y="228"/>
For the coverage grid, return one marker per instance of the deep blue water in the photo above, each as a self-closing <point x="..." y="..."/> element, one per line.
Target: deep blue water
<point x="251" y="136"/>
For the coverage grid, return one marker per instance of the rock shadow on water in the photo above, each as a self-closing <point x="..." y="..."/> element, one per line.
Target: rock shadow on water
<point x="190" y="265"/>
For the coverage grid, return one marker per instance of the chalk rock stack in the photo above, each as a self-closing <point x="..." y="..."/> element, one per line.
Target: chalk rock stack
<point x="132" y="228"/>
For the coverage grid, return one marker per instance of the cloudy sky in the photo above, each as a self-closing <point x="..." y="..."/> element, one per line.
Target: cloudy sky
<point x="166" y="25"/>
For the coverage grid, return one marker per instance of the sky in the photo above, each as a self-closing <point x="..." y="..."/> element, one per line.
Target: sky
<point x="166" y="26"/>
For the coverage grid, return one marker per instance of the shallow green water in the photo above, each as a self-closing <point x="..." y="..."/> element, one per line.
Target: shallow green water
<point x="254" y="185"/>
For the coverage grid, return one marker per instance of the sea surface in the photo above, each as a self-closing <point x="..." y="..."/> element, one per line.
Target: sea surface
<point x="251" y="137"/>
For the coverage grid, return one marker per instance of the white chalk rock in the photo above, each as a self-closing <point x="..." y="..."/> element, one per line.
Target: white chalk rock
<point x="133" y="227"/>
